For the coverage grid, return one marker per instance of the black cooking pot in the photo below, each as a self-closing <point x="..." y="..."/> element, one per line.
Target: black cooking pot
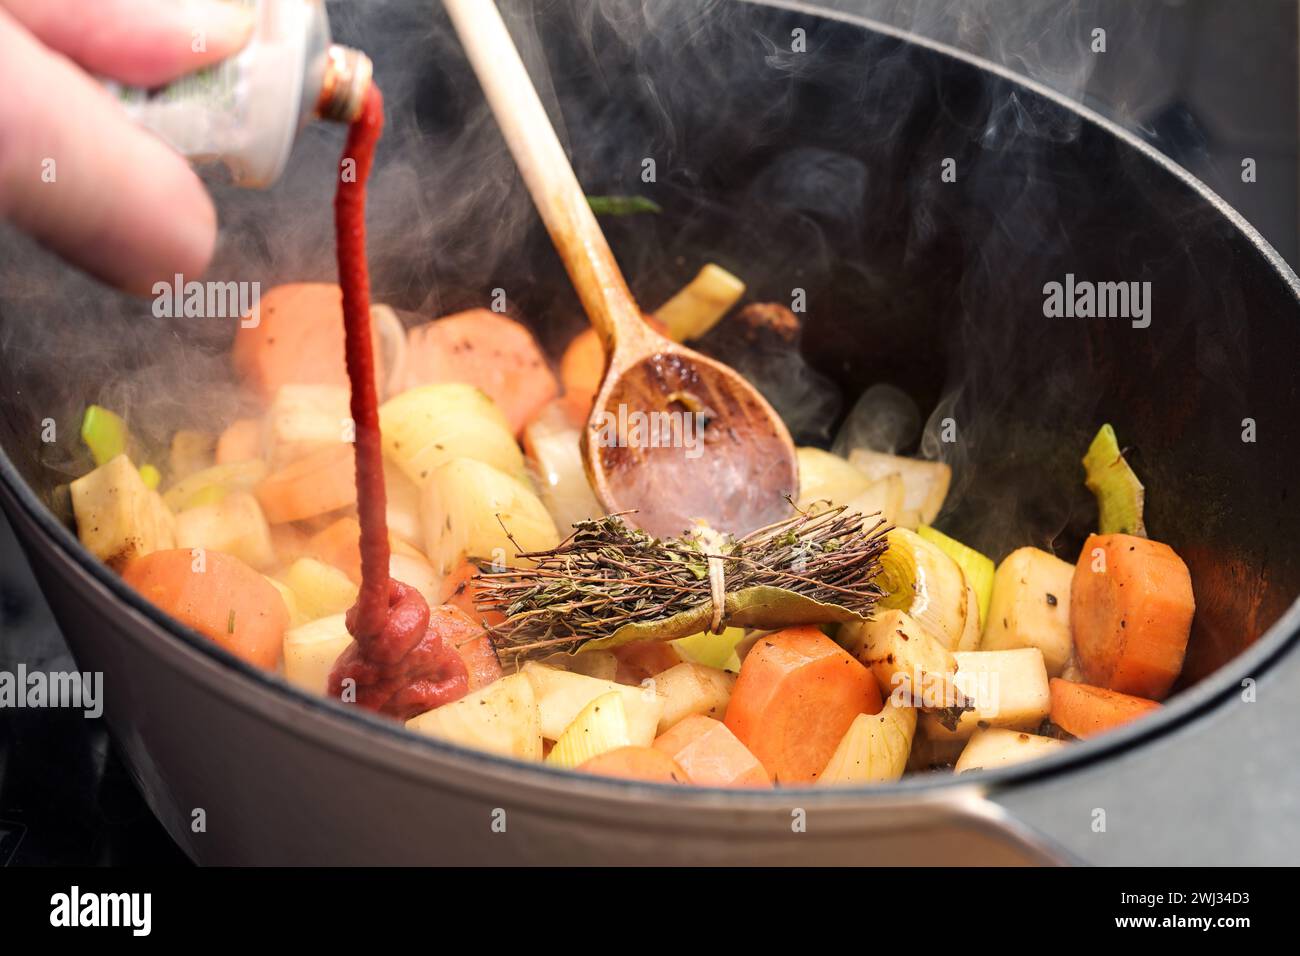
<point x="806" y="154"/>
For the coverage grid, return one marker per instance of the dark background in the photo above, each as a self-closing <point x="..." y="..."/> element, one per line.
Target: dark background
<point x="1209" y="82"/>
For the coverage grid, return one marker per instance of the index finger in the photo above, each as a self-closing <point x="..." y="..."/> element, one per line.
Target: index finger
<point x="138" y="42"/>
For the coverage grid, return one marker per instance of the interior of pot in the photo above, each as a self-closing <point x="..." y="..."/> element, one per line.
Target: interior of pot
<point x="810" y="164"/>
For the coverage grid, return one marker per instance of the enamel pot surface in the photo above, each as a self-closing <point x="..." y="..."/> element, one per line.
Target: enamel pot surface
<point x="819" y="174"/>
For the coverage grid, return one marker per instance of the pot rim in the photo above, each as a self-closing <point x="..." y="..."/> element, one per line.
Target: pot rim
<point x="1187" y="706"/>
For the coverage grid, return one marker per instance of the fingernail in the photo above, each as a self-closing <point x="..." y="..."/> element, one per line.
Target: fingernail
<point x="222" y="26"/>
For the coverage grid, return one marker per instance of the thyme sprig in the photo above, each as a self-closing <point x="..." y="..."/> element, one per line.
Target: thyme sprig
<point x="607" y="575"/>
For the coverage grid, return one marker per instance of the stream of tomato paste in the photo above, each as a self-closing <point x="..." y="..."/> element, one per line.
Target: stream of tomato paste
<point x="400" y="665"/>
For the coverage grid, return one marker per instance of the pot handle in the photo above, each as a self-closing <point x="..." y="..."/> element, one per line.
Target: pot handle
<point x="972" y="807"/>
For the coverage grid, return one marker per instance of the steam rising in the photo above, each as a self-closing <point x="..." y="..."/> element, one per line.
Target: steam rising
<point x="711" y="93"/>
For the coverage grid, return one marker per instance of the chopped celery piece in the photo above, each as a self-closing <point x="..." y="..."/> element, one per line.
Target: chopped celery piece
<point x="104" y="433"/>
<point x="712" y="650"/>
<point x="150" y="476"/>
<point x="979" y="570"/>
<point x="1120" y="496"/>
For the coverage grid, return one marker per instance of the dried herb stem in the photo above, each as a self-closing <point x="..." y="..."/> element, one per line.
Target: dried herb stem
<point x="607" y="575"/>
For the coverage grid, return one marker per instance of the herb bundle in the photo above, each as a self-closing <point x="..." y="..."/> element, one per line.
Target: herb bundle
<point x="609" y="584"/>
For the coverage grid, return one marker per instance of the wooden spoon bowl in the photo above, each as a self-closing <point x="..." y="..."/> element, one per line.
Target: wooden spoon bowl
<point x="727" y="458"/>
<point x="680" y="437"/>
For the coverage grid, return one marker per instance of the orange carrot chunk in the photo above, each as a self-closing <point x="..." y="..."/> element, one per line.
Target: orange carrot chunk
<point x="1086" y="711"/>
<point x="458" y="588"/>
<point x="316" y="484"/>
<point x="1131" y="608"/>
<point x="298" y="340"/>
<point x="711" y="755"/>
<point x="636" y="763"/>
<point x="471" y="642"/>
<point x="219" y="596"/>
<point x="488" y="350"/>
<point x="797" y="693"/>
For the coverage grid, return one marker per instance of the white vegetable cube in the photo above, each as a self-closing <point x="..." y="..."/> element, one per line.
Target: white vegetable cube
<point x="690" y="688"/>
<point x="1009" y="689"/>
<point x="501" y="718"/>
<point x="320" y="589"/>
<point x="562" y="695"/>
<point x="118" y="516"/>
<point x="234" y="525"/>
<point x="1031" y="607"/>
<point x="998" y="747"/>
<point x="303" y="418"/>
<point x="311" y="650"/>
<point x="825" y="477"/>
<point x="906" y="658"/>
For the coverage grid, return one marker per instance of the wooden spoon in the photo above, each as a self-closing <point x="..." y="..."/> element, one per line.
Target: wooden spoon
<point x="673" y="435"/>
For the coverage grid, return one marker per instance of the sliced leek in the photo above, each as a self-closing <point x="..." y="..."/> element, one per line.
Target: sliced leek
<point x="104" y="433"/>
<point x="599" y="727"/>
<point x="971" y="637"/>
<point x="150" y="476"/>
<point x="198" y="488"/>
<point x="884" y="497"/>
<point x="554" y="450"/>
<point x="874" y="749"/>
<point x="1120" y="496"/>
<point x="917" y="577"/>
<point x="701" y="303"/>
<point x="471" y="509"/>
<point x="978" y="568"/>
<point x="925" y="483"/>
<point x="562" y="695"/>
<point x="423" y="428"/>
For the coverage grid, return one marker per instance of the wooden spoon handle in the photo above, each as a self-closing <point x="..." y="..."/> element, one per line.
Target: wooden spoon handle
<point x="546" y="171"/>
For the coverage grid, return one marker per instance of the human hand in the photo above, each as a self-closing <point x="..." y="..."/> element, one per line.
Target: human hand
<point x="75" y="172"/>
